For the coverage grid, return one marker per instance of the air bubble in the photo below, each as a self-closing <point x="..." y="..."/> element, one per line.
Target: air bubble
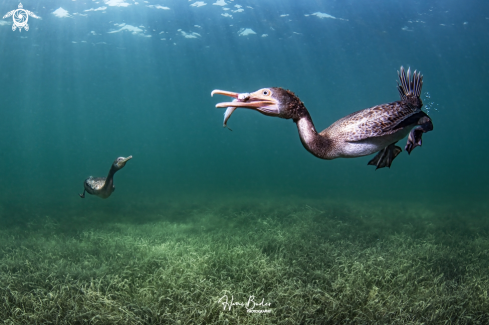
<point x="428" y="104"/>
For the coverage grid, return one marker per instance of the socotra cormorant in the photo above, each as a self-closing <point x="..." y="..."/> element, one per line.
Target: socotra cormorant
<point x="375" y="129"/>
<point x="104" y="186"/>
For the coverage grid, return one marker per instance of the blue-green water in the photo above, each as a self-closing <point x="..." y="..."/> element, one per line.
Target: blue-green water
<point x="132" y="78"/>
<point x="73" y="101"/>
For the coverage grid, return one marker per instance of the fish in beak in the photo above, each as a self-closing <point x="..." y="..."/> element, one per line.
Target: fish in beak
<point x="260" y="100"/>
<point x="227" y="115"/>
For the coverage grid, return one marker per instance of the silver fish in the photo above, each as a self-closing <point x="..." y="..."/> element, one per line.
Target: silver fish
<point x="227" y="114"/>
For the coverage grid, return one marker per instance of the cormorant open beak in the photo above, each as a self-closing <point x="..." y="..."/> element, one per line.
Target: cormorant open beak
<point x="257" y="100"/>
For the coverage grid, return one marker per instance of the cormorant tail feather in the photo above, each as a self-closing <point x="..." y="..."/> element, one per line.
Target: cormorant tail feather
<point x="409" y="87"/>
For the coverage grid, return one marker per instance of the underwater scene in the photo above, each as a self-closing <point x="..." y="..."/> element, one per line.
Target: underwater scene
<point x="232" y="205"/>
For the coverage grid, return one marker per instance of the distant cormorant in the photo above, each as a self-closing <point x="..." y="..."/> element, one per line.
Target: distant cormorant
<point x="104" y="186"/>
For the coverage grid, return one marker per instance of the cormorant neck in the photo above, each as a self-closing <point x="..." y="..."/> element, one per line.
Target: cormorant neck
<point x="109" y="181"/>
<point x="318" y="145"/>
<point x="112" y="171"/>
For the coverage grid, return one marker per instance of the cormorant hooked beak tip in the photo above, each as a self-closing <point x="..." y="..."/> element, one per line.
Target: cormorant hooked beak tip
<point x="224" y="92"/>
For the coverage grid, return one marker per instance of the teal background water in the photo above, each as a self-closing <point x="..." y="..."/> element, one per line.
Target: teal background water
<point x="76" y="96"/>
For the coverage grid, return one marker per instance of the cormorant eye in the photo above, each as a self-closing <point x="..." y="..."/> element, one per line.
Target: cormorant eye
<point x="266" y="92"/>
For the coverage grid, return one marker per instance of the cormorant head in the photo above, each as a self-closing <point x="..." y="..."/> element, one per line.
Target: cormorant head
<point x="273" y="101"/>
<point x="120" y="162"/>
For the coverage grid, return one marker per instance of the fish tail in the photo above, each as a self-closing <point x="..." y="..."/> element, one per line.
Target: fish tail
<point x="409" y="87"/>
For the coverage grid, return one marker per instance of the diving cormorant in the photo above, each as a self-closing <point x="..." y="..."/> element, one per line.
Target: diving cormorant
<point x="104" y="186"/>
<point x="375" y="129"/>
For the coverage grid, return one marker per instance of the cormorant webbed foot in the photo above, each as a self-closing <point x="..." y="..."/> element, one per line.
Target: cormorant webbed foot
<point x="82" y="195"/>
<point x="385" y="156"/>
<point x="414" y="138"/>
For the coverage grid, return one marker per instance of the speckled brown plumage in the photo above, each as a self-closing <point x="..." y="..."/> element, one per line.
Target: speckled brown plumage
<point x="376" y="121"/>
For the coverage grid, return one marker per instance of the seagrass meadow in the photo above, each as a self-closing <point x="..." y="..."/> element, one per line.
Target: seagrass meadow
<point x="212" y="226"/>
<point x="314" y="262"/>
